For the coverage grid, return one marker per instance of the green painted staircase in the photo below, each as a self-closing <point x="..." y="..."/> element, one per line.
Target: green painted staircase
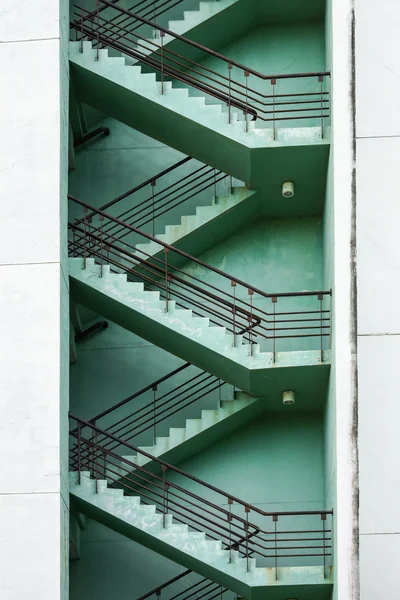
<point x="190" y="337"/>
<point x="209" y="226"/>
<point x="198" y="434"/>
<point x="140" y="522"/>
<point x="187" y="123"/>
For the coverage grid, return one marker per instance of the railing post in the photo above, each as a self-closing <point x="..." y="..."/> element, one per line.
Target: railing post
<point x="320" y="297"/>
<point x="94" y="458"/>
<point x="98" y="30"/>
<point x="162" y="33"/>
<point x="215" y="184"/>
<point x="153" y="185"/>
<point x="246" y="76"/>
<point x="230" y="502"/>
<point x="251" y="321"/>
<point x="275" y="520"/>
<point x="165" y="499"/>
<point x="81" y="44"/>
<point x="84" y="237"/>
<point x="166" y="250"/>
<point x="274" y="301"/>
<point x="323" y="518"/>
<point x="229" y="92"/>
<point x="321" y="81"/>
<point x="273" y="83"/>
<point x="246" y="527"/>
<point x="105" y="465"/>
<point x="79" y="453"/>
<point x="233" y="284"/>
<point x="154" y="388"/>
<point x="101" y="217"/>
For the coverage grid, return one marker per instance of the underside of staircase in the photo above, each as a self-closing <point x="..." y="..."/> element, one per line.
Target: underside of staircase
<point x="190" y="125"/>
<point x="192" y="338"/>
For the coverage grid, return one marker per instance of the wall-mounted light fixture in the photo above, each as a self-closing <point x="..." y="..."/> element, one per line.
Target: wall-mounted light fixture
<point x="288" y="398"/>
<point x="288" y="189"/>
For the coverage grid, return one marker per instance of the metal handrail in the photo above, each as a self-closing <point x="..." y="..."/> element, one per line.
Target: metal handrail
<point x="186" y="506"/>
<point x="270" y="107"/>
<point x="223" y="308"/>
<point x="170" y="467"/>
<point x="208" y="50"/>
<point x="187" y="256"/>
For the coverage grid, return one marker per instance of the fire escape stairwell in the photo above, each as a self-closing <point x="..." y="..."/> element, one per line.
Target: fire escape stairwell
<point x="178" y="331"/>
<point x="184" y="122"/>
<point x="140" y="522"/>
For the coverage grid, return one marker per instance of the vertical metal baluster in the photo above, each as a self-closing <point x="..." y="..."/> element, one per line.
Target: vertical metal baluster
<point x="231" y="184"/>
<point x="274" y="300"/>
<point x="82" y="8"/>
<point x="215" y="184"/>
<point x="98" y="30"/>
<point x="105" y="465"/>
<point x="321" y="80"/>
<point x="101" y="245"/>
<point x="79" y="453"/>
<point x="154" y="388"/>
<point x="94" y="457"/>
<point x="273" y="83"/>
<point x="74" y="253"/>
<point x="84" y="237"/>
<point x="153" y="185"/>
<point x="246" y="76"/>
<point x="158" y="593"/>
<point x="166" y="250"/>
<point x="164" y="468"/>
<point x="90" y="241"/>
<point x="247" y="510"/>
<point x="275" y="520"/>
<point x="229" y="92"/>
<point x="162" y="60"/>
<point x="219" y="393"/>
<point x="233" y="284"/>
<point x="320" y="320"/>
<point x="323" y="518"/>
<point x="230" y="502"/>
<point x="251" y="321"/>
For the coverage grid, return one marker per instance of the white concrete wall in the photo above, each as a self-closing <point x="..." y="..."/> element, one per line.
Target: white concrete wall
<point x="33" y="300"/>
<point x="378" y="212"/>
<point x="341" y="453"/>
